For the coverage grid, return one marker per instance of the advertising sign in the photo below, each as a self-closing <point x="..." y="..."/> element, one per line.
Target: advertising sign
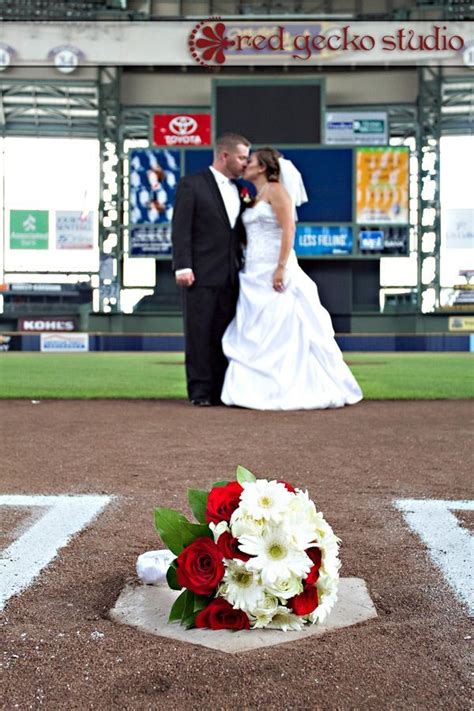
<point x="371" y="240"/>
<point x="46" y="323"/>
<point x="64" y="342"/>
<point x="386" y="240"/>
<point x="382" y="185"/>
<point x="29" y="229"/>
<point x="182" y="130"/>
<point x="150" y="241"/>
<point x="314" y="240"/>
<point x="457" y="228"/>
<point x="463" y="324"/>
<point x="74" y="230"/>
<point x="154" y="175"/>
<point x="357" y="127"/>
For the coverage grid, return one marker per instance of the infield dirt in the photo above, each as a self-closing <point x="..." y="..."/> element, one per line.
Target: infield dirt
<point x="63" y="652"/>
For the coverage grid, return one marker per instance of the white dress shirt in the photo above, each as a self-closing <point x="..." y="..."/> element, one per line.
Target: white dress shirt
<point x="231" y="198"/>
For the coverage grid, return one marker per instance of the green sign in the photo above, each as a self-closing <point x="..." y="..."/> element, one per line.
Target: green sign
<point x="29" y="229"/>
<point x="369" y="126"/>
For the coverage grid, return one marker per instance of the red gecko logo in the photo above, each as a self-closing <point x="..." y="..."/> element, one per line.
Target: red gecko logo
<point x="208" y="42"/>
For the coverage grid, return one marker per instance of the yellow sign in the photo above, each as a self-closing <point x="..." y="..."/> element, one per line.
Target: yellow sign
<point x="382" y="185"/>
<point x="461" y="323"/>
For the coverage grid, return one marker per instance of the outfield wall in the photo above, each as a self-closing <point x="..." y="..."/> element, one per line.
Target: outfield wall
<point x="106" y="342"/>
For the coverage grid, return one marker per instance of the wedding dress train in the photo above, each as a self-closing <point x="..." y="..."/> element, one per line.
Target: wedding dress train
<point x="280" y="346"/>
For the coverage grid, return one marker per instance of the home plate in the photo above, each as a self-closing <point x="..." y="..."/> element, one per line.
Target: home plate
<point x="147" y="607"/>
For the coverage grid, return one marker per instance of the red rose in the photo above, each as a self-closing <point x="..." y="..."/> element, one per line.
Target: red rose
<point x="220" y="615"/>
<point x="312" y="577"/>
<point x="200" y="566"/>
<point x="305" y="602"/>
<point x="315" y="555"/>
<point x="222" y="502"/>
<point x="229" y="547"/>
<point x="287" y="486"/>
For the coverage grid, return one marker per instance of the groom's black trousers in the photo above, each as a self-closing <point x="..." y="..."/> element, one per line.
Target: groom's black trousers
<point x="207" y="311"/>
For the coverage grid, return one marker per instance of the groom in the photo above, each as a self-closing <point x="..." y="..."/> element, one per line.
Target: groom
<point x="208" y="235"/>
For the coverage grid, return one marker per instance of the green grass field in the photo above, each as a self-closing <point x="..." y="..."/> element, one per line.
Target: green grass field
<point x="382" y="376"/>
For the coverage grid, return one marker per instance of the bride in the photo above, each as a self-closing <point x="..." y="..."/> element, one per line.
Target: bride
<point x="280" y="345"/>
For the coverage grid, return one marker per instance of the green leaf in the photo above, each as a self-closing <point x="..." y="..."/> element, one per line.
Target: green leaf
<point x="198" y="502"/>
<point x="190" y="531"/>
<point x="219" y="484"/>
<point x="171" y="578"/>
<point x="190" y="621"/>
<point x="176" y="531"/>
<point x="243" y="474"/>
<point x="188" y="604"/>
<point x="200" y="602"/>
<point x="169" y="524"/>
<point x="177" y="610"/>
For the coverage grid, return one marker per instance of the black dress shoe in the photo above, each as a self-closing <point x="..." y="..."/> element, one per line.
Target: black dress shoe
<point x="201" y="402"/>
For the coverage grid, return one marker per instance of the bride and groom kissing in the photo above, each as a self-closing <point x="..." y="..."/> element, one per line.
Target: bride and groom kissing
<point x="256" y="333"/>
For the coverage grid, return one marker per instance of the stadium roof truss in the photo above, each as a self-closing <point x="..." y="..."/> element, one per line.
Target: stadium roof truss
<point x="49" y="108"/>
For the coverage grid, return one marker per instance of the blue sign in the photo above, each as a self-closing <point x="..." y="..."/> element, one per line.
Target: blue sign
<point x="154" y="176"/>
<point x="319" y="239"/>
<point x="150" y="241"/>
<point x="371" y="240"/>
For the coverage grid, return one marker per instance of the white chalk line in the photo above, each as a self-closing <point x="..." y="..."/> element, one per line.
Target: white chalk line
<point x="450" y="545"/>
<point x="26" y="557"/>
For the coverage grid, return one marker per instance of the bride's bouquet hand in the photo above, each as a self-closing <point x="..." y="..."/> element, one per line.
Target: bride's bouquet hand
<point x="278" y="281"/>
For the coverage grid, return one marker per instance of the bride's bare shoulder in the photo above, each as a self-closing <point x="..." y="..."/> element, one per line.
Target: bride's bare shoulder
<point x="277" y="192"/>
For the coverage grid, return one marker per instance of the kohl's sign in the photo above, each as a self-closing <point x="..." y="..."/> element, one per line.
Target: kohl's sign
<point x="44" y="323"/>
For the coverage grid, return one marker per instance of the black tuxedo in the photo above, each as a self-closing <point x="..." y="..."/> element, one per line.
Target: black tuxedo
<point x="204" y="241"/>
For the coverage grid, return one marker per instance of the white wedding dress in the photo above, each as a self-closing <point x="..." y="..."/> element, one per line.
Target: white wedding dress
<point x="280" y="346"/>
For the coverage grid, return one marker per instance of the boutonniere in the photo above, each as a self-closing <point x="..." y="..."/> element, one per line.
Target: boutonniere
<point x="245" y="196"/>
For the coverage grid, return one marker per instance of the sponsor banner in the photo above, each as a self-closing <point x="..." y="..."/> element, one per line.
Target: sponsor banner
<point x="150" y="241"/>
<point x="318" y="239"/>
<point x="389" y="240"/>
<point x="182" y="130"/>
<point x="371" y="240"/>
<point x="74" y="230"/>
<point x="382" y="185"/>
<point x="357" y="127"/>
<point x="29" y="229"/>
<point x="461" y="323"/>
<point x="457" y="228"/>
<point x="64" y="342"/>
<point x="154" y="175"/>
<point x="210" y="42"/>
<point x="46" y="323"/>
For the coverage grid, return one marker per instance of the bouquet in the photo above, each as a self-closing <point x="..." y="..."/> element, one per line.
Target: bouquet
<point x="259" y="556"/>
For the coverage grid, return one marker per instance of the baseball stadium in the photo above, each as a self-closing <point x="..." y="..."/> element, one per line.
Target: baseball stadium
<point x="122" y="126"/>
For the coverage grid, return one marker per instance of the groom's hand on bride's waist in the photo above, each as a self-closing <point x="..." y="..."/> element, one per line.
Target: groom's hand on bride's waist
<point x="184" y="277"/>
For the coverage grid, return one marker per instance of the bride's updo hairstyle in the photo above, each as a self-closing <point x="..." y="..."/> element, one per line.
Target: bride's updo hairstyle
<point x="268" y="158"/>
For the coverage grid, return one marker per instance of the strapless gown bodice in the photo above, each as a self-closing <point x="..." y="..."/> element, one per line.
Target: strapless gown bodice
<point x="263" y="235"/>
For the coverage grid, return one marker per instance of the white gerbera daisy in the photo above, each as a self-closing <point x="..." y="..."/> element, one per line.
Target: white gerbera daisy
<point x="241" y="524"/>
<point x="285" y="620"/>
<point x="240" y="586"/>
<point x="275" y="558"/>
<point x="263" y="499"/>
